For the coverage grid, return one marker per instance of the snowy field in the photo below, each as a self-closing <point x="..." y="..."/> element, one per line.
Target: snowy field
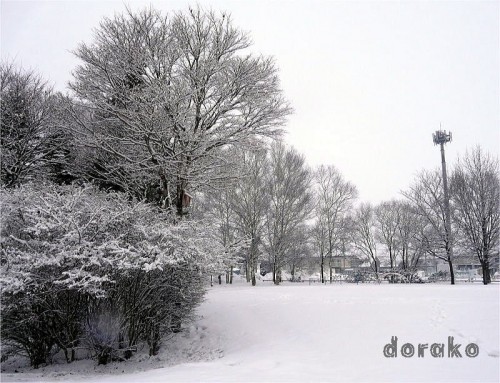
<point x="300" y="333"/>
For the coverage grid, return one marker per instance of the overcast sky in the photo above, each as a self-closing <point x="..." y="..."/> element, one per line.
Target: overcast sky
<point x="369" y="81"/>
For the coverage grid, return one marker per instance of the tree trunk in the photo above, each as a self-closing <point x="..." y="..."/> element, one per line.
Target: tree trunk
<point x="179" y="201"/>
<point x="485" y="266"/>
<point x="485" y="259"/>
<point x="322" y="269"/>
<point x="250" y="268"/>
<point x="376" y="266"/>
<point x="247" y="268"/>
<point x="452" y="274"/>
<point x="277" y="275"/>
<point x="154" y="341"/>
<point x="252" y="259"/>
<point x="254" y="270"/>
<point x="392" y="266"/>
<point x="330" y="261"/>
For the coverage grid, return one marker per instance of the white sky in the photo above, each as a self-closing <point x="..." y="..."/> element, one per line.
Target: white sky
<point x="369" y="81"/>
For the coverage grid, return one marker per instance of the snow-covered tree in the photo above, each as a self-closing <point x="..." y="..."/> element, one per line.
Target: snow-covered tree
<point x="32" y="144"/>
<point x="290" y="199"/>
<point x="334" y="197"/>
<point x="166" y="94"/>
<point x="250" y="203"/>
<point x="218" y="207"/>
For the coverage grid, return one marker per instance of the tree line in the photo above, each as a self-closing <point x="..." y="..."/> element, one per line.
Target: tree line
<point x="292" y="212"/>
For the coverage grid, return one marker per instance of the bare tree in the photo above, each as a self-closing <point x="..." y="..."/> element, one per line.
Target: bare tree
<point x="387" y="215"/>
<point x="426" y="194"/>
<point x="167" y="95"/>
<point x="299" y="251"/>
<point x="334" y="197"/>
<point x="475" y="194"/>
<point x="409" y="236"/>
<point x="343" y="244"/>
<point x="394" y="224"/>
<point x="319" y="234"/>
<point x="364" y="234"/>
<point x="288" y="192"/>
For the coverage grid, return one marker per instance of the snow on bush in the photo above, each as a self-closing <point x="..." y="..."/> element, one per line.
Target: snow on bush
<point x="85" y="268"/>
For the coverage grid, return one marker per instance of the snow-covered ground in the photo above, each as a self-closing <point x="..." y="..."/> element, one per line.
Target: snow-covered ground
<point x="301" y="332"/>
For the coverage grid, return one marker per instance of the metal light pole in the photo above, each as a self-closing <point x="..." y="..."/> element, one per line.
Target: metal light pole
<point x="440" y="137"/>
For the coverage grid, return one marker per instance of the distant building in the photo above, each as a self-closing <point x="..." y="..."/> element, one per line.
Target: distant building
<point x="495" y="263"/>
<point x="430" y="266"/>
<point x="341" y="263"/>
<point x="461" y="263"/>
<point x="464" y="262"/>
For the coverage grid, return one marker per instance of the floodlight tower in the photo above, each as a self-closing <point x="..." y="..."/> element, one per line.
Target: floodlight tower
<point x="440" y="137"/>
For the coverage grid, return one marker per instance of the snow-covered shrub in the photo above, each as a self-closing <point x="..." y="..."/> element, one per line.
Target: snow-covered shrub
<point x="25" y="328"/>
<point x="68" y="250"/>
<point x="158" y="302"/>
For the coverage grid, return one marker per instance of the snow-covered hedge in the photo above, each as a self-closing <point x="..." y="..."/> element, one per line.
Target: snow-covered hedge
<point x="84" y="268"/>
